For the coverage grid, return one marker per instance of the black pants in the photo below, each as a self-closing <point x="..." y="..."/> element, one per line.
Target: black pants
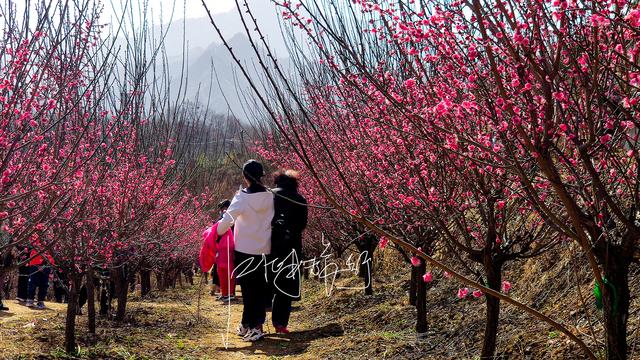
<point x="281" y="310"/>
<point x="214" y="275"/>
<point x="250" y="272"/>
<point x="23" y="282"/>
<point x="268" y="296"/>
<point x="39" y="280"/>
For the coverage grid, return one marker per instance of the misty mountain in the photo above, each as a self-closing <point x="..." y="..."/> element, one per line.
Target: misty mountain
<point x="213" y="79"/>
<point x="209" y="75"/>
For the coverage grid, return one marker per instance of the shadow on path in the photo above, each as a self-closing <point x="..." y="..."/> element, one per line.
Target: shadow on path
<point x="290" y="344"/>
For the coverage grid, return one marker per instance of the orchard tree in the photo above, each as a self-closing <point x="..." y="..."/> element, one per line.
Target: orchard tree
<point x="536" y="86"/>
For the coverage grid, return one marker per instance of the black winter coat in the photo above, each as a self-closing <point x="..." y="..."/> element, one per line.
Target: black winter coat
<point x="289" y="220"/>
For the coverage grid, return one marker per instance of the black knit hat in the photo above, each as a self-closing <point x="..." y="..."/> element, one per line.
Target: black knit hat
<point x="252" y="171"/>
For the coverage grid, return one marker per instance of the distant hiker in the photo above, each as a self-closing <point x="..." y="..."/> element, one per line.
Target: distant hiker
<point x="60" y="283"/>
<point x="289" y="221"/>
<point x="38" y="278"/>
<point x="251" y="212"/>
<point x="24" y="270"/>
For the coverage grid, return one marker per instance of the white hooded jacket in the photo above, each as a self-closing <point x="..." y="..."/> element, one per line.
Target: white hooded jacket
<point x="252" y="214"/>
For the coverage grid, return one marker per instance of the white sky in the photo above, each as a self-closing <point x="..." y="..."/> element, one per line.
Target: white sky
<point x="181" y="8"/>
<point x="114" y="8"/>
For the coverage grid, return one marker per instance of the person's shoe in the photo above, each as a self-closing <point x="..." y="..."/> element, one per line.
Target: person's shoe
<point x="242" y="331"/>
<point x="253" y="335"/>
<point x="21" y="300"/>
<point x="29" y="303"/>
<point x="281" y="329"/>
<point x="3" y="308"/>
<point x="40" y="305"/>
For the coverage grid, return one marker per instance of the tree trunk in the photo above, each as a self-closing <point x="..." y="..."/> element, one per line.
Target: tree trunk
<point x="616" y="303"/>
<point x="132" y="281"/>
<point x="72" y="304"/>
<point x="175" y="275"/>
<point x="145" y="282"/>
<point x="366" y="247"/>
<point x="413" y="285"/>
<point x="122" y="288"/>
<point x="421" y="301"/>
<point x="167" y="277"/>
<point x="493" y="271"/>
<point x="160" y="280"/>
<point x="189" y="276"/>
<point x="91" y="303"/>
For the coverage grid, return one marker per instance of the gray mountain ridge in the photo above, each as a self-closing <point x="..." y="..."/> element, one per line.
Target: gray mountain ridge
<point x="213" y="78"/>
<point x="211" y="74"/>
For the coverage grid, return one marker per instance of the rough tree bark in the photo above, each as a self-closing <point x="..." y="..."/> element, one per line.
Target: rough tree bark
<point x="421" y="302"/>
<point x="413" y="286"/>
<point x="70" y="324"/>
<point x="91" y="303"/>
<point x="616" y="301"/>
<point x="366" y="246"/>
<point x="145" y="282"/>
<point x="160" y="280"/>
<point x="121" y="282"/>
<point x="493" y="272"/>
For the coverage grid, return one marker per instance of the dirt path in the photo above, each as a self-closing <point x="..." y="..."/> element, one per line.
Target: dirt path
<point x="164" y="326"/>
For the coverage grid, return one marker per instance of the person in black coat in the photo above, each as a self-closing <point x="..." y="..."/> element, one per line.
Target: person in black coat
<point x="289" y="221"/>
<point x="23" y="274"/>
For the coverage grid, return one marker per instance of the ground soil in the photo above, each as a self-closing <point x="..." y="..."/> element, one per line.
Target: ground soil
<point x="343" y="325"/>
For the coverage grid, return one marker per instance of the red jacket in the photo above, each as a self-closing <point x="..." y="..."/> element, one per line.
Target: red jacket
<point x="216" y="252"/>
<point x="37" y="260"/>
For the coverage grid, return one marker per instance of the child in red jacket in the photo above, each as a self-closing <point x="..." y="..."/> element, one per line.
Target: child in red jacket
<point x="224" y="265"/>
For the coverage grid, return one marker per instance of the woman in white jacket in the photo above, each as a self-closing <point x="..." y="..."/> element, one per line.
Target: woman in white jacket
<point x="251" y="211"/>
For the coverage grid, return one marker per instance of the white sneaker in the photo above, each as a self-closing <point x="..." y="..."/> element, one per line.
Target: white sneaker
<point x="242" y="331"/>
<point x="29" y="303"/>
<point x="253" y="335"/>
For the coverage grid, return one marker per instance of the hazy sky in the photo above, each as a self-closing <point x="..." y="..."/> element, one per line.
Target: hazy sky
<point x="181" y="8"/>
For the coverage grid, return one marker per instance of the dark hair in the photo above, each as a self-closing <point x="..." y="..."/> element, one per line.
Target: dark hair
<point x="252" y="171"/>
<point x="224" y="204"/>
<point x="286" y="179"/>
